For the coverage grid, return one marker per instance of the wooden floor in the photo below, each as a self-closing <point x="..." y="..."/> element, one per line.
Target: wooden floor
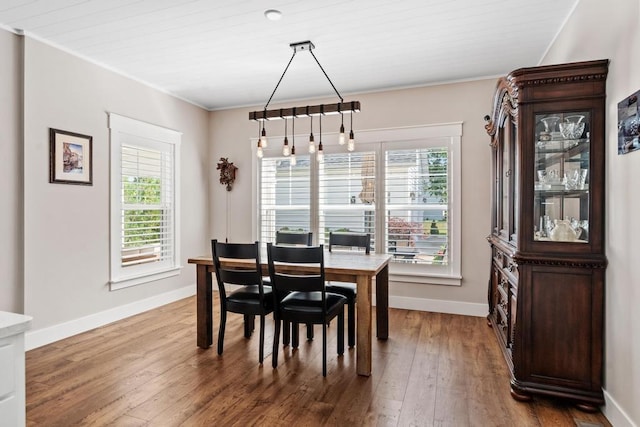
<point x="435" y="370"/>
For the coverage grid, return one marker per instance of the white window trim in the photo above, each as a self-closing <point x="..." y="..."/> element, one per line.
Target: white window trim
<point x="392" y="138"/>
<point x="136" y="275"/>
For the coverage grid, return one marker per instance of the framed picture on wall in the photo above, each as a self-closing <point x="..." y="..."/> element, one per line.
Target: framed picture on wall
<point x="70" y="158"/>
<point x="629" y="124"/>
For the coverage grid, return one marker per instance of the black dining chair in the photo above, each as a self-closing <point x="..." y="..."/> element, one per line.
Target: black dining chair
<point x="300" y="296"/>
<point x="349" y="241"/>
<point x="294" y="238"/>
<point x="252" y="299"/>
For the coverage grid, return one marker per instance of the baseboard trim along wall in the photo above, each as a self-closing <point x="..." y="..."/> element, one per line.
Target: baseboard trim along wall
<point x="615" y="414"/>
<point x="437" y="306"/>
<point x="39" y="337"/>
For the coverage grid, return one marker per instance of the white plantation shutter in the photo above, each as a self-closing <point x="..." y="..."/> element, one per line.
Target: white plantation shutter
<point x="144" y="202"/>
<point x="147" y="204"/>
<point x="400" y="185"/>
<point x="285" y="196"/>
<point x="347" y="194"/>
<point x="417" y="188"/>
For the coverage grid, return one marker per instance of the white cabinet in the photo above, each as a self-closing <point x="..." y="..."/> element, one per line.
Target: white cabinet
<point x="12" y="375"/>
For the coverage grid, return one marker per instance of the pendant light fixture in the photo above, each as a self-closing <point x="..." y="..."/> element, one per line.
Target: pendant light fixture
<point x="341" y="108"/>
<point x="320" y="155"/>
<point x="312" y="143"/>
<point x="263" y="137"/>
<point x="293" y="142"/>
<point x="351" y="145"/>
<point x="341" y="139"/>
<point x="286" y="151"/>
<point x="259" y="151"/>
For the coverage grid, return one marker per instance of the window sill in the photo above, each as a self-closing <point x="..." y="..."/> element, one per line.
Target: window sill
<point x="426" y="279"/>
<point x="127" y="282"/>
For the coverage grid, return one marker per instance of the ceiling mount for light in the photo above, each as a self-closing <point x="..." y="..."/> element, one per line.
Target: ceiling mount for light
<point x="272" y="14"/>
<point x="341" y="108"/>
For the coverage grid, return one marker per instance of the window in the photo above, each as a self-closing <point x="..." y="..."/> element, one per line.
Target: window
<point x="347" y="194"/>
<point x="144" y="202"/>
<point x="285" y="198"/>
<point x="400" y="185"/>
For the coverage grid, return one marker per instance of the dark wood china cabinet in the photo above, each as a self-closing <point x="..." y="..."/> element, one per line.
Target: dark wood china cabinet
<point x="546" y="288"/>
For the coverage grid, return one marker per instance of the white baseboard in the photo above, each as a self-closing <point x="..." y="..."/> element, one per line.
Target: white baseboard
<point x="39" y="337"/>
<point x="437" y="306"/>
<point x="615" y="414"/>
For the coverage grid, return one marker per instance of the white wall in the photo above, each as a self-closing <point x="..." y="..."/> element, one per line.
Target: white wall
<point x="10" y="174"/>
<point x="231" y="130"/>
<point x="66" y="227"/>
<point x="596" y="30"/>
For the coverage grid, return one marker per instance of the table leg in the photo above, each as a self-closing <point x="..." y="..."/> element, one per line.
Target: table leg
<point x="382" y="304"/>
<point x="363" y="336"/>
<point x="204" y="306"/>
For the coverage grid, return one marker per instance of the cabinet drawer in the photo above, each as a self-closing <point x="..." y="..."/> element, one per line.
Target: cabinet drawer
<point x="7" y="373"/>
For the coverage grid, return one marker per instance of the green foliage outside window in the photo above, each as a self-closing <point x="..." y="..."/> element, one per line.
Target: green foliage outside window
<point x="436" y="185"/>
<point x="142" y="226"/>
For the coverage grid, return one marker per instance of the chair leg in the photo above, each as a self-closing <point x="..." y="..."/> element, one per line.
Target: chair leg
<point x="310" y="331"/>
<point x="324" y="349"/>
<point x="286" y="333"/>
<point x="249" y="325"/>
<point x="341" y="333"/>
<point x="276" y="337"/>
<point x="223" y="322"/>
<point x="295" y="335"/>
<point x="351" y="320"/>
<point x="261" y="352"/>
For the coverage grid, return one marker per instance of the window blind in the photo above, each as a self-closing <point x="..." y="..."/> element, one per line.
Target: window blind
<point x="285" y="196"/>
<point x="347" y="194"/>
<point x="147" y="205"/>
<point x="417" y="199"/>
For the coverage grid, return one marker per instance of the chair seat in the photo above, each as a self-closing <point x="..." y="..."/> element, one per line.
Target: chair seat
<point x="346" y="289"/>
<point x="251" y="295"/>
<point x="310" y="303"/>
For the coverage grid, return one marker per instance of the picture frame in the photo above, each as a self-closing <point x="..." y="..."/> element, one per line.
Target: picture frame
<point x="629" y="124"/>
<point x="70" y="158"/>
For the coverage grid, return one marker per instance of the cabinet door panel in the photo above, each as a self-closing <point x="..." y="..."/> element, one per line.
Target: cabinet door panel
<point x="560" y="329"/>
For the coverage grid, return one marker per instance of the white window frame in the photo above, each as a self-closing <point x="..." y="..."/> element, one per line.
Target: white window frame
<point x="380" y="140"/>
<point x="127" y="131"/>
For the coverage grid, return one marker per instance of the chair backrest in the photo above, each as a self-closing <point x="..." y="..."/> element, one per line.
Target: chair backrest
<point x="294" y="238"/>
<point x="350" y="240"/>
<point x="246" y="274"/>
<point x="296" y="268"/>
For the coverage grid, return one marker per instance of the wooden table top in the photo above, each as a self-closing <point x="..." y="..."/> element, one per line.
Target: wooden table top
<point x="334" y="262"/>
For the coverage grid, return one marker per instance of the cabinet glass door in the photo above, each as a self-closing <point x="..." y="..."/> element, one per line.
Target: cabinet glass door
<point x="508" y="150"/>
<point x="561" y="202"/>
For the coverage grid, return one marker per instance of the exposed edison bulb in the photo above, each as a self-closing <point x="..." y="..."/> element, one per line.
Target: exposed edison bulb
<point x="263" y="138"/>
<point x="312" y="147"/>
<point x="259" y="152"/>
<point x="286" y="151"/>
<point x="293" y="156"/>
<point x="351" y="145"/>
<point x="320" y="155"/>
<point x="341" y="138"/>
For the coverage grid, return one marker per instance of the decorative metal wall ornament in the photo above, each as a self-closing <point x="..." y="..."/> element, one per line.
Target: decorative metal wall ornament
<point x="227" y="172"/>
<point x="306" y="111"/>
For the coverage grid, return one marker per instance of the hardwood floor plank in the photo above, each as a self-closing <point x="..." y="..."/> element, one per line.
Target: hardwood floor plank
<point x="434" y="370"/>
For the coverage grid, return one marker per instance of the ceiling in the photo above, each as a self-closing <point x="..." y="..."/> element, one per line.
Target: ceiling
<point x="225" y="53"/>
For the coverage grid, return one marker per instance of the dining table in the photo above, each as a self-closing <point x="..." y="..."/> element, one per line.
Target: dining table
<point x="340" y="266"/>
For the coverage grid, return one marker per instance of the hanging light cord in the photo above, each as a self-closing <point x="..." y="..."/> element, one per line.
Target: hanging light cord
<point x="281" y="77"/>
<point x="287" y="68"/>
<point x="325" y="74"/>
